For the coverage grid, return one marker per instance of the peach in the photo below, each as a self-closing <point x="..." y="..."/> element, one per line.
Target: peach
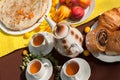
<point x="62" y="1"/>
<point x="84" y="3"/>
<point x="72" y="3"/>
<point x="77" y="13"/>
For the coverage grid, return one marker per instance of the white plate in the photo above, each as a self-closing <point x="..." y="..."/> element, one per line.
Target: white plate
<point x="50" y="41"/>
<point x="88" y="12"/>
<point x="102" y="56"/>
<point x="48" y="72"/>
<point x="85" y="75"/>
<point x="29" y="29"/>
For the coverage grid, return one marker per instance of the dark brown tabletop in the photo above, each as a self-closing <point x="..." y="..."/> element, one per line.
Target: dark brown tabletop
<point x="9" y="64"/>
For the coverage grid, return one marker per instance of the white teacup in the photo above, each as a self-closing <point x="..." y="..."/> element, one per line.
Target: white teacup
<point x="36" y="68"/>
<point x="39" y="41"/>
<point x="73" y="69"/>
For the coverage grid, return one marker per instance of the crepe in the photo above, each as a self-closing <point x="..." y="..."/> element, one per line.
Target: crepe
<point x="19" y="15"/>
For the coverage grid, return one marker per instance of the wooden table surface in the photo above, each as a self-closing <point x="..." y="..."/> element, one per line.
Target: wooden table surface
<point x="9" y="64"/>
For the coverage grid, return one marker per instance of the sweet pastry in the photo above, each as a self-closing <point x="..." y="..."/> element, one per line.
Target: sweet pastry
<point x="18" y="15"/>
<point x="96" y="40"/>
<point x="113" y="44"/>
<point x="105" y="38"/>
<point x="110" y="20"/>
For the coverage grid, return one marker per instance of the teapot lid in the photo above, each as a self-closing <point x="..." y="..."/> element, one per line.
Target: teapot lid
<point x="61" y="30"/>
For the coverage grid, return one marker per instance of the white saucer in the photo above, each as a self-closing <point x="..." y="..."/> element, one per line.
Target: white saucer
<point x="85" y="75"/>
<point x="48" y="72"/>
<point x="50" y="40"/>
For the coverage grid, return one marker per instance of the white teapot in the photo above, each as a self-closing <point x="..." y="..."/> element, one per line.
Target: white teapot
<point x="68" y="40"/>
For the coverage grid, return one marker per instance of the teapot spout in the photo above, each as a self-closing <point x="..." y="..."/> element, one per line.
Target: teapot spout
<point x="50" y="22"/>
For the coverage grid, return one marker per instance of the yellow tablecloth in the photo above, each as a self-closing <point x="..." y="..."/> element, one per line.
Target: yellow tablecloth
<point x="9" y="43"/>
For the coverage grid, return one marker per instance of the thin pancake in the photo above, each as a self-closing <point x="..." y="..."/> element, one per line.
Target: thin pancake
<point x="21" y="14"/>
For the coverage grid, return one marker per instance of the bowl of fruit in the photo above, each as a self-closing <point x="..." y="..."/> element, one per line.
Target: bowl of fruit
<point x="73" y="11"/>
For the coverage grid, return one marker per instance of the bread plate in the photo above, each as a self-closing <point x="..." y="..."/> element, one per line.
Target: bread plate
<point x="102" y="56"/>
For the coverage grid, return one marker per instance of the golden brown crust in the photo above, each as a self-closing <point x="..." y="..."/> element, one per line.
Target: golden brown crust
<point x="110" y="22"/>
<point x="110" y="19"/>
<point x="96" y="40"/>
<point x="113" y="45"/>
<point x="91" y="42"/>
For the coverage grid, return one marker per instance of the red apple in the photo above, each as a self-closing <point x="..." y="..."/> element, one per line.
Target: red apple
<point x="84" y="3"/>
<point x="62" y="1"/>
<point x="72" y="3"/>
<point x="77" y="13"/>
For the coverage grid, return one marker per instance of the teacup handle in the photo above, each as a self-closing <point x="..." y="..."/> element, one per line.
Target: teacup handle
<point x="45" y="64"/>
